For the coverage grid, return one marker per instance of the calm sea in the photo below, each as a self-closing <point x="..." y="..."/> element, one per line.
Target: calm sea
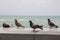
<point x="24" y="20"/>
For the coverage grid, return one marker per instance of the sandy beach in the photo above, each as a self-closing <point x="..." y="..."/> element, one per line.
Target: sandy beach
<point x="53" y="31"/>
<point x="28" y="34"/>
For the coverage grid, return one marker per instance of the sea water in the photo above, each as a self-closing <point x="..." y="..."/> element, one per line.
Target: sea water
<point x="24" y="20"/>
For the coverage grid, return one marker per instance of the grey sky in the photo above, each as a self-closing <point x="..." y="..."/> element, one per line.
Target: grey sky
<point x="30" y="7"/>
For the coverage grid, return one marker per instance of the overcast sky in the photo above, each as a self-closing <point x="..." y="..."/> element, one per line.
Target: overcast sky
<point x="30" y="7"/>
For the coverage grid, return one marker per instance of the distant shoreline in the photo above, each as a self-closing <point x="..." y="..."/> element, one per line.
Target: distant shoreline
<point x="30" y="15"/>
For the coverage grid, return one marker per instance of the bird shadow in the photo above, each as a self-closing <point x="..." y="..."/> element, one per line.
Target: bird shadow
<point x="35" y="31"/>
